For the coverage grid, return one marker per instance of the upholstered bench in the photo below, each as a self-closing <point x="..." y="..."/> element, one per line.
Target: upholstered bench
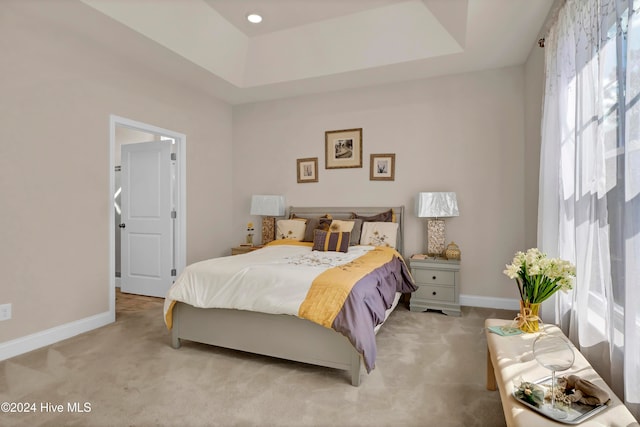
<point x="510" y="358"/>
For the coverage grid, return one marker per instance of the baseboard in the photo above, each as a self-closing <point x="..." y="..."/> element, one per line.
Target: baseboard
<point x="51" y="336"/>
<point x="490" y="302"/>
<point x="38" y="340"/>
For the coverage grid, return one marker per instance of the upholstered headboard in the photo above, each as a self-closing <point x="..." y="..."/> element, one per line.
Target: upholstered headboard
<point x="345" y="213"/>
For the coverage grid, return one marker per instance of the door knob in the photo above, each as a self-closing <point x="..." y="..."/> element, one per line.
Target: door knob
<point x="122" y="225"/>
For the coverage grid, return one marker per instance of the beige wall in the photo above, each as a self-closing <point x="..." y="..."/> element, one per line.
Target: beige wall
<point x="58" y="90"/>
<point x="464" y="133"/>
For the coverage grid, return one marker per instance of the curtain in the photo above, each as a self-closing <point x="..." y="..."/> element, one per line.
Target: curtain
<point x="589" y="204"/>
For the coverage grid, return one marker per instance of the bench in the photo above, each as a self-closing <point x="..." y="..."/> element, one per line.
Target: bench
<point x="510" y="358"/>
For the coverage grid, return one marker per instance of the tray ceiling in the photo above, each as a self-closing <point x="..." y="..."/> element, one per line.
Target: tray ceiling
<point x="307" y="46"/>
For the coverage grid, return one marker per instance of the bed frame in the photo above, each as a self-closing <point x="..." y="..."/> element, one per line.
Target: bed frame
<point x="277" y="335"/>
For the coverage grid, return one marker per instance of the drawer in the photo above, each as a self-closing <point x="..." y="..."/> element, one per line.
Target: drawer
<point x="436" y="293"/>
<point x="433" y="277"/>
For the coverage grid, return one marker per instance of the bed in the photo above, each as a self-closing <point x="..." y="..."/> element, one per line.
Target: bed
<point x="268" y="332"/>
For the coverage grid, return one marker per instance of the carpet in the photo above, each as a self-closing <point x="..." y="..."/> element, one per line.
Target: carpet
<point x="430" y="371"/>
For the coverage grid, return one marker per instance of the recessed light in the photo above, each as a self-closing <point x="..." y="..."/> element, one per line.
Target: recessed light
<point x="254" y="18"/>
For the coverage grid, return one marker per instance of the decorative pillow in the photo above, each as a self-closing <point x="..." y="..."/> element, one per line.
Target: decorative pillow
<point x="387" y="216"/>
<point x="379" y="234"/>
<point x="290" y="229"/>
<point x="353" y="226"/>
<point x="340" y="225"/>
<point x="315" y="223"/>
<point x="331" y="241"/>
<point x="356" y="231"/>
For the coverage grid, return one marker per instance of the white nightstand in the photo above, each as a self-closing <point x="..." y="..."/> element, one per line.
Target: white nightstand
<point x="437" y="281"/>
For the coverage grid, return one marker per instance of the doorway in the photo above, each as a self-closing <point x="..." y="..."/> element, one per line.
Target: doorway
<point x="126" y="131"/>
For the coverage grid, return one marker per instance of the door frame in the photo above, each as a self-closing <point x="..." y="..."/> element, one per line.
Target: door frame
<point x="180" y="237"/>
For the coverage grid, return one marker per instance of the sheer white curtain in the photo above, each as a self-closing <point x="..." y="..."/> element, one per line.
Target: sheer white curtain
<point x="589" y="207"/>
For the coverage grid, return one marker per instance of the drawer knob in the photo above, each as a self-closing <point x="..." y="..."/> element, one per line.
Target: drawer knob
<point x="434" y="292"/>
<point x="434" y="277"/>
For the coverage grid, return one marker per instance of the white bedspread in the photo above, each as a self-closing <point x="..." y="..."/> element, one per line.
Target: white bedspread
<point x="274" y="279"/>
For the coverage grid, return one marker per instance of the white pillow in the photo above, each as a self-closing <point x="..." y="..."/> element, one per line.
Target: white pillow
<point x="292" y="229"/>
<point x="379" y="234"/>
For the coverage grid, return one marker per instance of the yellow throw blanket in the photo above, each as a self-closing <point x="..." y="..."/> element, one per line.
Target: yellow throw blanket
<point x="330" y="289"/>
<point x="168" y="319"/>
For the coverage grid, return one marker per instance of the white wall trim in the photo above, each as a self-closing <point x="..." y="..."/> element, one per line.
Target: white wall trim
<point x="41" y="339"/>
<point x="490" y="302"/>
<point x="51" y="336"/>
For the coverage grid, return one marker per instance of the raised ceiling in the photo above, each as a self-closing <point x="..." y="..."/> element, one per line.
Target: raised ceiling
<point x="308" y="46"/>
<point x="285" y="14"/>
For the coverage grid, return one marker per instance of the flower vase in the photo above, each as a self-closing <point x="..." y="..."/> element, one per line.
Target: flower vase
<point x="250" y="239"/>
<point x="528" y="320"/>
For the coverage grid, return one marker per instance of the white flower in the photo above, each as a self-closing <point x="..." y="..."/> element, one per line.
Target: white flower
<point x="512" y="271"/>
<point x="538" y="276"/>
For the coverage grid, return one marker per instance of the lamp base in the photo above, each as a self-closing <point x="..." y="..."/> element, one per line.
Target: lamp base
<point x="435" y="237"/>
<point x="268" y="229"/>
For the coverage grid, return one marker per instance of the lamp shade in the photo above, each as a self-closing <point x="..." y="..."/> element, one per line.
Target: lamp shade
<point x="267" y="205"/>
<point x="435" y="205"/>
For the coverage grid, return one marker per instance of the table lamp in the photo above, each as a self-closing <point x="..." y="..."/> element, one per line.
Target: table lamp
<point x="436" y="205"/>
<point x="268" y="207"/>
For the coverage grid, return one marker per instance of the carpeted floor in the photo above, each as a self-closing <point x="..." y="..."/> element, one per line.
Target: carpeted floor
<point x="430" y="372"/>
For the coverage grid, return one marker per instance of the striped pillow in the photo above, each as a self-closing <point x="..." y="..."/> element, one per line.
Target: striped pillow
<point x="331" y="241"/>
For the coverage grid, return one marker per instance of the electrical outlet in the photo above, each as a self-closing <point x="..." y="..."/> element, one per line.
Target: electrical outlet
<point x="5" y="311"/>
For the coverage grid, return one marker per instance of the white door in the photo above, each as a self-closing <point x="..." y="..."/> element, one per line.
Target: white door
<point x="146" y="227"/>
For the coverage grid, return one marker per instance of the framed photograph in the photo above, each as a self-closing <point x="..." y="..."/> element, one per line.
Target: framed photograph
<point x="383" y="167"/>
<point x="307" y="170"/>
<point x="343" y="148"/>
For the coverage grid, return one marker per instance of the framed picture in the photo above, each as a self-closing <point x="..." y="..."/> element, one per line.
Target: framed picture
<point x="307" y="170"/>
<point x="343" y="148"/>
<point x="383" y="167"/>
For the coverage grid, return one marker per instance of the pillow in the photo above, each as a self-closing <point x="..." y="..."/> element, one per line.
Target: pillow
<point x="379" y="234"/>
<point x="331" y="241"/>
<point x="340" y="225"/>
<point x="387" y="216"/>
<point x="314" y="223"/>
<point x="353" y="226"/>
<point x="356" y="231"/>
<point x="290" y="229"/>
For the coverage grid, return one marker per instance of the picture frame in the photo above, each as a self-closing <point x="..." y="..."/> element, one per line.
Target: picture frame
<point x="307" y="170"/>
<point x="382" y="167"/>
<point x="343" y="148"/>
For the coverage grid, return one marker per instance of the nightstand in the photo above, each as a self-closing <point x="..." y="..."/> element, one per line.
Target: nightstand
<point x="237" y="250"/>
<point x="437" y="280"/>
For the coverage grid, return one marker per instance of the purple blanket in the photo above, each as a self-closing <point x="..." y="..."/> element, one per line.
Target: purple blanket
<point x="365" y="307"/>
